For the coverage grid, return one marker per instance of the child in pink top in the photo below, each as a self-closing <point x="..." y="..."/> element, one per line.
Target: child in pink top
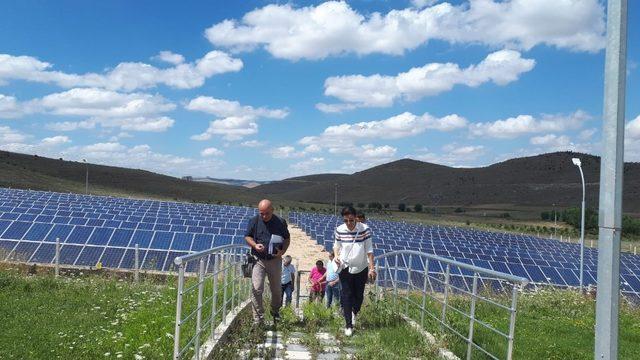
<point x="316" y="278"/>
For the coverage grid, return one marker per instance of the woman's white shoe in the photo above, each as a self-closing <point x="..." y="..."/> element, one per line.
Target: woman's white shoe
<point x="348" y="332"/>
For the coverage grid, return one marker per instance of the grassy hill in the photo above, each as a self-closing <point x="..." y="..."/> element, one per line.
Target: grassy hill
<point x="319" y="181"/>
<point x="40" y="173"/>
<point x="538" y="180"/>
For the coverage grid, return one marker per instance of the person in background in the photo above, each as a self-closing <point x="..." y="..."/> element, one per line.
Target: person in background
<point x="353" y="250"/>
<point x="288" y="279"/>
<point x="268" y="237"/>
<point x="333" y="288"/>
<point x="316" y="278"/>
<point x="360" y="217"/>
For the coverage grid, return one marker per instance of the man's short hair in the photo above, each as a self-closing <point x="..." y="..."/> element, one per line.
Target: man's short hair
<point x="287" y="257"/>
<point x="348" y="210"/>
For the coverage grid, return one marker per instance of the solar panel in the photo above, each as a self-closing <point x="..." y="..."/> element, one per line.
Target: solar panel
<point x="102" y="229"/>
<point x="543" y="261"/>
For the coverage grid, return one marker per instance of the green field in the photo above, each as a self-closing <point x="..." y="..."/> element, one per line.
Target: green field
<point x="103" y="316"/>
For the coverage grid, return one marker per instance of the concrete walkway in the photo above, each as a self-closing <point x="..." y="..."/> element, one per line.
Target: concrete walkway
<point x="294" y="348"/>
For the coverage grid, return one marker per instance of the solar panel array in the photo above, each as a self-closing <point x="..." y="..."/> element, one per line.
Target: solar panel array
<point x="543" y="261"/>
<point x="105" y="230"/>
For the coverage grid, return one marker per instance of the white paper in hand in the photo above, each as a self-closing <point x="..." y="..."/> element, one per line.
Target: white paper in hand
<point x="275" y="244"/>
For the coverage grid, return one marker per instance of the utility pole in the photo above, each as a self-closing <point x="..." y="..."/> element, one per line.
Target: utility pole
<point x="611" y="174"/>
<point x="335" y="201"/>
<point x="86" y="178"/>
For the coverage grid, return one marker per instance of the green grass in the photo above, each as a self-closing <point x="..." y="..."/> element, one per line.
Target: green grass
<point x="84" y="318"/>
<point x="380" y="333"/>
<point x="550" y="324"/>
<point x="89" y="317"/>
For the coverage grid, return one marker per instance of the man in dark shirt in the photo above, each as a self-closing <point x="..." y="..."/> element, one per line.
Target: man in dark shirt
<point x="269" y="238"/>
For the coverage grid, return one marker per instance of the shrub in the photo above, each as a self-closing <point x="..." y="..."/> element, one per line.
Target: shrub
<point x="418" y="207"/>
<point x="458" y="210"/>
<point x="402" y="207"/>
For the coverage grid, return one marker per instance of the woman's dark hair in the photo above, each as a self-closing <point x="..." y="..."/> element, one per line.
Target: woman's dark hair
<point x="360" y="214"/>
<point x="348" y="210"/>
<point x="319" y="262"/>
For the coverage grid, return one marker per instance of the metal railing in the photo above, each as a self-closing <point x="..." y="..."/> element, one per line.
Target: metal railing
<point x="450" y="293"/>
<point x="298" y="282"/>
<point x="210" y="285"/>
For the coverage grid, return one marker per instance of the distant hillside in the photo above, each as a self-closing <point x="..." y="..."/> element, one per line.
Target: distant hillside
<point x="318" y="182"/>
<point x="234" y="182"/>
<point x="39" y="173"/>
<point x="538" y="180"/>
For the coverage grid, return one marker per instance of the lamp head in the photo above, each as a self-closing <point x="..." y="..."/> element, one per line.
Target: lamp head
<point x="576" y="162"/>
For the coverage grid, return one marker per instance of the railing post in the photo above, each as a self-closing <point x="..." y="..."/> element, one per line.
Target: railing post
<point x="57" y="268"/>
<point x="377" y="288"/>
<point x="446" y="294"/>
<point x="409" y="283"/>
<point x="512" y="320"/>
<point x="298" y="288"/>
<point x="136" y="270"/>
<point x="199" y="309"/>
<point x="472" y="315"/>
<point x="424" y="297"/>
<point x="234" y="277"/>
<point x="395" y="285"/>
<point x="428" y="279"/>
<point x="176" y="337"/>
<point x="214" y="300"/>
<point x="225" y="284"/>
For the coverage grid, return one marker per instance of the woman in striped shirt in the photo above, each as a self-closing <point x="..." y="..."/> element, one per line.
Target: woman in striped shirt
<point x="353" y="250"/>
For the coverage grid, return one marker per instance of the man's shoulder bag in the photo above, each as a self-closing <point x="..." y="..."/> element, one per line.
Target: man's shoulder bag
<point x="247" y="266"/>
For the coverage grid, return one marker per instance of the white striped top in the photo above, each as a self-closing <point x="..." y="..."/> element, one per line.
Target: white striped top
<point x="352" y="247"/>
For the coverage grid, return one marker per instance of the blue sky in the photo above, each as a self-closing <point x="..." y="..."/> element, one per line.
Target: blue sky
<point x="262" y="90"/>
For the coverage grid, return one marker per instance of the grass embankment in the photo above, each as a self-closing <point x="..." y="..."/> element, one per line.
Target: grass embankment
<point x="90" y="317"/>
<point x="550" y="324"/>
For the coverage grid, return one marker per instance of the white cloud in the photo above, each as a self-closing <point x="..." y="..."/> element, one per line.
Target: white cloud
<point x="334" y="28"/>
<point x="110" y="109"/>
<point x="500" y="67"/>
<point x="551" y="140"/>
<point x="9" y="107"/>
<point x="380" y="153"/>
<point x="587" y="134"/>
<point x="632" y="140"/>
<point x="423" y="3"/>
<point x="142" y="156"/>
<point x="9" y="135"/>
<point x="632" y="128"/>
<point x="226" y="108"/>
<point x="526" y="124"/>
<point x="237" y="121"/>
<point x="55" y="140"/>
<point x="252" y="143"/>
<point x="285" y="152"/>
<point x="230" y="128"/>
<point x="211" y="151"/>
<point x="170" y="57"/>
<point x="127" y="76"/>
<point x="17" y="141"/>
<point x="339" y="138"/>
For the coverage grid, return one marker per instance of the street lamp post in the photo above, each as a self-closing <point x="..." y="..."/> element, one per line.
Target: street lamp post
<point x="578" y="163"/>
<point x="86" y="178"/>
